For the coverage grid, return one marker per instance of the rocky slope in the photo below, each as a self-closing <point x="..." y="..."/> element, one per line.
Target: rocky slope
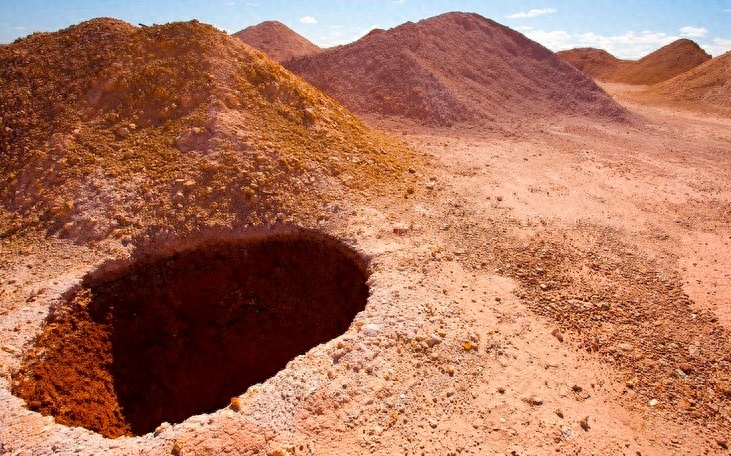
<point x="708" y="84"/>
<point x="276" y="40"/>
<point x="454" y="68"/>
<point x="595" y="63"/>
<point x="110" y="129"/>
<point x="663" y="64"/>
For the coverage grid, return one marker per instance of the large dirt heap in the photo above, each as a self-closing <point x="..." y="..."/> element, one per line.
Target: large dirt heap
<point x="276" y="40"/>
<point x="595" y="63"/>
<point x="708" y="84"/>
<point x="665" y="63"/>
<point x="456" y="67"/>
<point x="109" y="128"/>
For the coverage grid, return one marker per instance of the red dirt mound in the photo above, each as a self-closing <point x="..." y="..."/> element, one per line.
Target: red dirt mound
<point x="707" y="84"/>
<point x="276" y="40"/>
<point x="665" y="63"/>
<point x="108" y="128"/>
<point x="455" y="68"/>
<point x="595" y="63"/>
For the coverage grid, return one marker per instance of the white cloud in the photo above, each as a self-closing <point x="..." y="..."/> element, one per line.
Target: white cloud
<point x="532" y="13"/>
<point x="727" y="10"/>
<point x="717" y="47"/>
<point x="629" y="45"/>
<point x="693" y="32"/>
<point x="19" y="28"/>
<point x="229" y="3"/>
<point x="253" y="4"/>
<point x="308" y="20"/>
<point x="335" y="27"/>
<point x="399" y="1"/>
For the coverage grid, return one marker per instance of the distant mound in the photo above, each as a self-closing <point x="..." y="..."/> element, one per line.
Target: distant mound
<point x="109" y="130"/>
<point x="661" y="65"/>
<point x="276" y="40"/>
<point x="454" y="68"/>
<point x="709" y="84"/>
<point x="595" y="63"/>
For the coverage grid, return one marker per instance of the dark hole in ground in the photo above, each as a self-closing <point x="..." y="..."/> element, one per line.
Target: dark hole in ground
<point x="173" y="336"/>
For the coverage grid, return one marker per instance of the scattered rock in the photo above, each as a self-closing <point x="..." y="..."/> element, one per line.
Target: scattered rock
<point x="557" y="334"/>
<point x="652" y="403"/>
<point x="401" y="229"/>
<point x="433" y="340"/>
<point x="584" y="423"/>
<point x="371" y="329"/>
<point x="723" y="443"/>
<point x="567" y="433"/>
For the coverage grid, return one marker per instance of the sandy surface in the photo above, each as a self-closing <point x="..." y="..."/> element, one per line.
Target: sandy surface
<point x="560" y="292"/>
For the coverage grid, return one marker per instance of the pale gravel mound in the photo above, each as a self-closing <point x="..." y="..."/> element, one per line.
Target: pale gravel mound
<point x="595" y="63"/>
<point x="110" y="129"/>
<point x="665" y="63"/>
<point x="278" y="41"/>
<point x="455" y="68"/>
<point x="708" y="84"/>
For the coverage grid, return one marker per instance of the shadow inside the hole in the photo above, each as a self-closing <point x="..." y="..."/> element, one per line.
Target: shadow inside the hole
<point x="186" y="332"/>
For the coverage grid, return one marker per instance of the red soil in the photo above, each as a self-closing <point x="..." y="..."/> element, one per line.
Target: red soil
<point x="278" y="41"/>
<point x="454" y="68"/>
<point x="665" y="63"/>
<point x="708" y="84"/>
<point x="596" y="63"/>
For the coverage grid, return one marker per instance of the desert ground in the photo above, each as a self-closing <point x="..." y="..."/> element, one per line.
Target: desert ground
<point x="559" y="286"/>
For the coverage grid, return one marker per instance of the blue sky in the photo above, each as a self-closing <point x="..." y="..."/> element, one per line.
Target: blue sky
<point x="626" y="28"/>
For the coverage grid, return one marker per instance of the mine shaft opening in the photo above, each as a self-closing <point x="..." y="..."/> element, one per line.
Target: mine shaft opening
<point x="171" y="336"/>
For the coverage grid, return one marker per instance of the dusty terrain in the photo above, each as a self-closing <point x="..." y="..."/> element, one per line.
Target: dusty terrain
<point x="455" y="69"/>
<point x="277" y="41"/>
<point x="665" y="63"/>
<point x="559" y="287"/>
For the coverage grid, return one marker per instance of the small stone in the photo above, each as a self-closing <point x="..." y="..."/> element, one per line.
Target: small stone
<point x="584" y="423"/>
<point x="652" y="403"/>
<point x="536" y="400"/>
<point x="412" y="171"/>
<point x="410" y="190"/>
<point x="557" y="334"/>
<point x="235" y="404"/>
<point x="433" y="423"/>
<point x="501" y="390"/>
<point x="175" y="451"/>
<point x="499" y="198"/>
<point x="543" y="286"/>
<point x="430" y="185"/>
<point x="567" y="433"/>
<point x="161" y="428"/>
<point x="371" y="329"/>
<point x="685" y="367"/>
<point x="11" y="349"/>
<point x="433" y="340"/>
<point x="626" y="347"/>
<point x="401" y="229"/>
<point x="122" y="132"/>
<point x="559" y="413"/>
<point x="723" y="443"/>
